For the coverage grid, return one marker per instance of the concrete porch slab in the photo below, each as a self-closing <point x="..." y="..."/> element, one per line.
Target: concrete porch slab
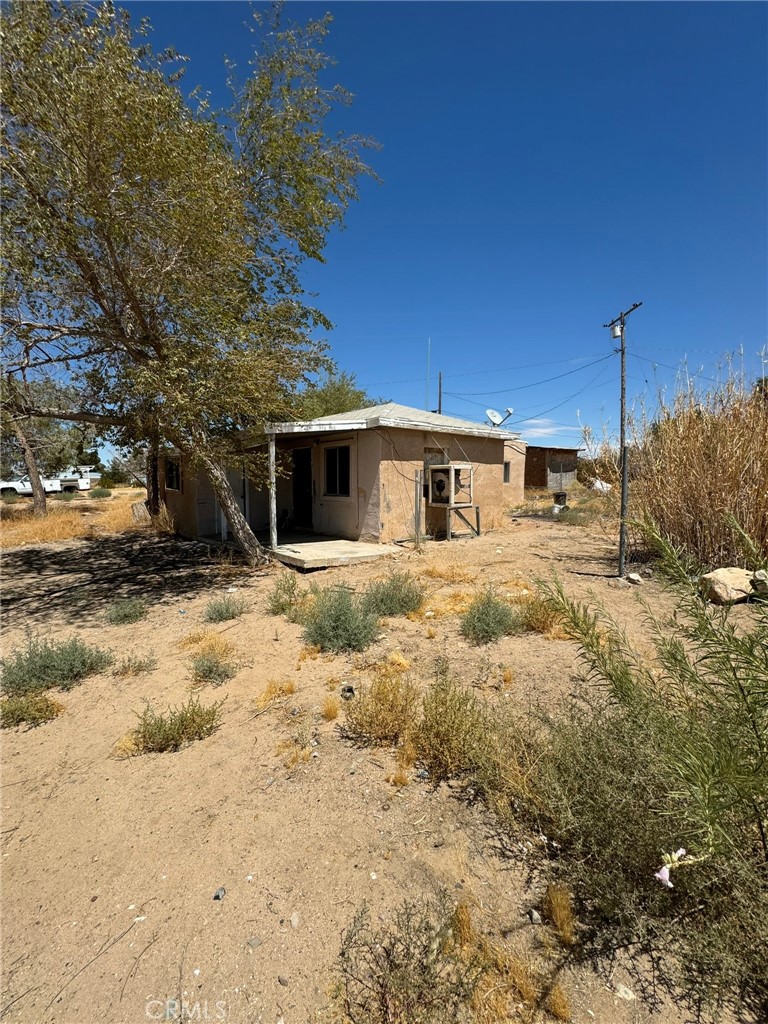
<point x="323" y="554"/>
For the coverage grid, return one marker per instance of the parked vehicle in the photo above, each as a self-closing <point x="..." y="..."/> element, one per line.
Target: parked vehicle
<point x="23" y="486"/>
<point x="76" y="478"/>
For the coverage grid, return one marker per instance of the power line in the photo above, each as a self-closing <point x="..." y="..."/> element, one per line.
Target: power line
<point x="536" y="383"/>
<point x="478" y="373"/>
<point x="668" y="366"/>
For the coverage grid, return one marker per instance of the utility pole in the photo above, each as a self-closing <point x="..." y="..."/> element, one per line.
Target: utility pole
<point x="440" y="392"/>
<point x="617" y="331"/>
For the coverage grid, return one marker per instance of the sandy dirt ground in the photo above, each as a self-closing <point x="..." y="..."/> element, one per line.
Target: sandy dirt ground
<point x="110" y="863"/>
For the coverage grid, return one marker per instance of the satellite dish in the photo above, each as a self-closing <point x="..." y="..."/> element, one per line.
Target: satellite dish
<point x="495" y="417"/>
<point x="509" y="412"/>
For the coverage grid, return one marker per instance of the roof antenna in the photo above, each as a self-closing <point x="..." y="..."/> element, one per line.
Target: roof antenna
<point x="429" y="353"/>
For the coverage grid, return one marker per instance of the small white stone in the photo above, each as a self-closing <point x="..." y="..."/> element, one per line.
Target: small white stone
<point x="373" y="876"/>
<point x="196" y="972"/>
<point x="249" y="878"/>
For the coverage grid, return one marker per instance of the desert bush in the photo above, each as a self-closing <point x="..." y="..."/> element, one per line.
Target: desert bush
<point x="276" y="690"/>
<point x="208" y="667"/>
<point x="702" y="456"/>
<point x="331" y="706"/>
<point x="286" y="597"/>
<point x="42" y="664"/>
<point x="451" y="731"/>
<point x="384" y="712"/>
<point x="130" y="609"/>
<point x="409" y="971"/>
<point x="64" y="496"/>
<point x="338" y="622"/>
<point x="133" y="665"/>
<point x="488" y="618"/>
<point x="99" y="492"/>
<point x="158" y="733"/>
<point x="220" y="609"/>
<point x="672" y="757"/>
<point x="9" y="497"/>
<point x="399" y="594"/>
<point x="29" y="708"/>
<point x="536" y="614"/>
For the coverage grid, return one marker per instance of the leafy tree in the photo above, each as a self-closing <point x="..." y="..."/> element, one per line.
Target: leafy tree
<point x="336" y="392"/>
<point x="153" y="247"/>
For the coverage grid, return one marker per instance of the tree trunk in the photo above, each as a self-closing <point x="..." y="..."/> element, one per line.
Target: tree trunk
<point x="254" y="552"/>
<point x="39" y="502"/>
<point x="153" y="478"/>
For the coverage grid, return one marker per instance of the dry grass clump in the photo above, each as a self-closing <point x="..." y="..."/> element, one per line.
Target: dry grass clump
<point x="558" y="911"/>
<point x="331" y="707"/>
<point x="60" y="524"/>
<point x="117" y="517"/>
<point x="207" y="641"/>
<point x="440" y="605"/>
<point x="450" y="571"/>
<point x="536" y="614"/>
<point x="385" y="711"/>
<point x="30" y="709"/>
<point x="276" y="690"/>
<point x="557" y="1003"/>
<point x="705" y="457"/>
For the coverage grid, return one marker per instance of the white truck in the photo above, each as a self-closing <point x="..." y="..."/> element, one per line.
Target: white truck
<point x="23" y="486"/>
<point x="76" y="478"/>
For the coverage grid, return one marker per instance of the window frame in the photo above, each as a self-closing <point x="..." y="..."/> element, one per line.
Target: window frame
<point x="507" y="472"/>
<point x="336" y="449"/>
<point x="173" y="474"/>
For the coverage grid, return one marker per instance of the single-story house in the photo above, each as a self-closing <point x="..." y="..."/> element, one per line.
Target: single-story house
<point x="553" y="468"/>
<point x="363" y="475"/>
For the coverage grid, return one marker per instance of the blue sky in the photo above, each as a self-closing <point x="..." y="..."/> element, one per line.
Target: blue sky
<point x="544" y="166"/>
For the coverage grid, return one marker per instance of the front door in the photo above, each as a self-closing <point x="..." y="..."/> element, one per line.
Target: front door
<point x="302" y="488"/>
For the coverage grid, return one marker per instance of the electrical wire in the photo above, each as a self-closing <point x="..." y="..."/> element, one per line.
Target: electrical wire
<point x="668" y="366"/>
<point x="535" y="384"/>
<point x="478" y="373"/>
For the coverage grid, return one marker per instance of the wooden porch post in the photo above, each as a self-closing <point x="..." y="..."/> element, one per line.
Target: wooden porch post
<point x="272" y="494"/>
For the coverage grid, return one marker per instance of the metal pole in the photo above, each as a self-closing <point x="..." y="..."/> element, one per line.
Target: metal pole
<point x="621" y="321"/>
<point x="429" y="353"/>
<point x="440" y="392"/>
<point x="623" y="446"/>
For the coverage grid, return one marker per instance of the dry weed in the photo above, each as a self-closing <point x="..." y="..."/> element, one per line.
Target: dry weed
<point x="117" y="517"/>
<point x="208" y="642"/>
<point x="274" y="691"/>
<point x="557" y="1003"/>
<point x="439" y="605"/>
<point x="464" y="932"/>
<point x="398" y="778"/>
<point x="308" y="653"/>
<point x="558" y="910"/>
<point x="385" y="711"/>
<point x="451" y="572"/>
<point x="60" y="524"/>
<point x="331" y="708"/>
<point x="431" y="633"/>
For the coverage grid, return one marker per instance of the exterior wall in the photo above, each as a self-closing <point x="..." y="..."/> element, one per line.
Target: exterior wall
<point x="383" y="468"/>
<point x="403" y="454"/>
<point x="543" y="467"/>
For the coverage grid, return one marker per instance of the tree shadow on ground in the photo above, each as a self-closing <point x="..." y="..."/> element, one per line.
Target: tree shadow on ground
<point x="82" y="578"/>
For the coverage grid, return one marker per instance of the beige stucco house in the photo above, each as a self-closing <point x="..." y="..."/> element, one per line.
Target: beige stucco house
<point x="365" y="475"/>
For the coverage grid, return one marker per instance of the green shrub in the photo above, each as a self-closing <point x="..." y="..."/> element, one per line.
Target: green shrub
<point x="135" y="666"/>
<point x="158" y="733"/>
<point x="409" y="971"/>
<point x="210" y="668"/>
<point x="130" y="609"/>
<point x="673" y="757"/>
<point x="99" y="492"/>
<point x="30" y="708"/>
<point x="452" y="730"/>
<point x="64" y="496"/>
<point x="337" y="622"/>
<point x="220" y="609"/>
<point x="10" y="497"/>
<point x="41" y="664"/>
<point x="286" y="596"/>
<point x="399" y="594"/>
<point x="488" y="618"/>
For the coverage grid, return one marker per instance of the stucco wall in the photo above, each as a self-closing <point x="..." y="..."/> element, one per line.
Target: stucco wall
<point x="403" y="455"/>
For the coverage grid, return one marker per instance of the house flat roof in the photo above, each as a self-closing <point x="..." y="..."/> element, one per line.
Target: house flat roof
<point x="403" y="417"/>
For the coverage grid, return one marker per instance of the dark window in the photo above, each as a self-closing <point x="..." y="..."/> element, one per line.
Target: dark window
<point x="172" y="475"/>
<point x="506" y="471"/>
<point x="337" y="471"/>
